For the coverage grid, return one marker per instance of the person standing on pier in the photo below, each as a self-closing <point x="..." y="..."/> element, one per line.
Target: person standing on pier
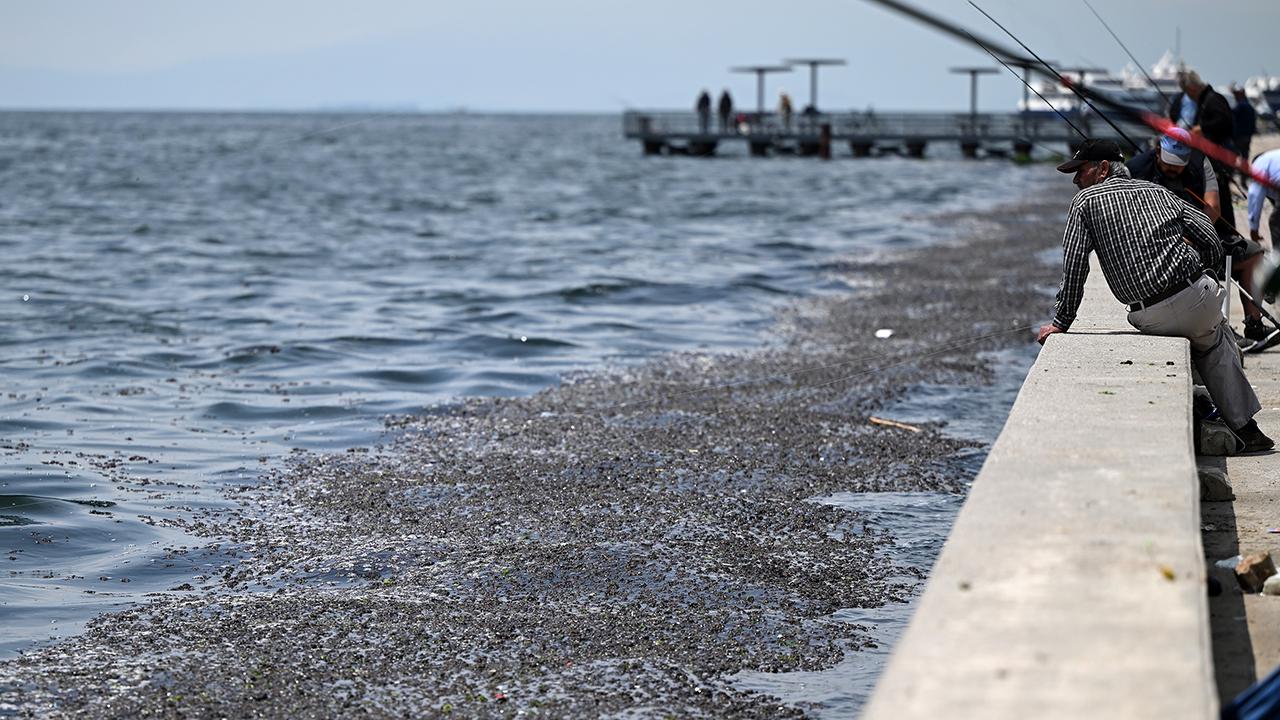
<point x="703" y="108"/>
<point x="1154" y="250"/>
<point x="784" y="109"/>
<point x="1212" y="120"/>
<point x="1246" y="123"/>
<point x="726" y="110"/>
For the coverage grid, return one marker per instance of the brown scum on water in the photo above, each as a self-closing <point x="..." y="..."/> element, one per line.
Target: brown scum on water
<point x="613" y="546"/>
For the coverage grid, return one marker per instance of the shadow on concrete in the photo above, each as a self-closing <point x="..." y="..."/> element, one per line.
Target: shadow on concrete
<point x="1233" y="662"/>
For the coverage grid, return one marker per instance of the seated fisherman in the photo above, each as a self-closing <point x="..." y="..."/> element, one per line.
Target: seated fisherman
<point x="1187" y="173"/>
<point x="1154" y="250"/>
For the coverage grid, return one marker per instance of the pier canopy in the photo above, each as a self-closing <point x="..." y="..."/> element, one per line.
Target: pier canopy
<point x="813" y="64"/>
<point x="761" y="71"/>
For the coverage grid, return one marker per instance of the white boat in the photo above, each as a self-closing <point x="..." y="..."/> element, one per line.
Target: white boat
<point x="1264" y="92"/>
<point x="1130" y="87"/>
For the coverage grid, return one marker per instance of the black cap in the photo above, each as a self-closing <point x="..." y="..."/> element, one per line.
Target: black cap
<point x="1092" y="151"/>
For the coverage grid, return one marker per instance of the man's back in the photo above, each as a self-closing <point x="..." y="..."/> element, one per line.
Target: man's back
<point x="1137" y="230"/>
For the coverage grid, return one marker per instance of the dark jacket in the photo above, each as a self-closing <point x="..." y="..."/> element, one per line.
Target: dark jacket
<point x="1245" y="118"/>
<point x="1143" y="167"/>
<point x="726" y="103"/>
<point x="1214" y="117"/>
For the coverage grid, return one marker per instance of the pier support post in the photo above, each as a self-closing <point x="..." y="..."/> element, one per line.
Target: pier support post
<point x="915" y="148"/>
<point x="1021" y="150"/>
<point x="860" y="148"/>
<point x="702" y="148"/>
<point x="969" y="148"/>
<point x="824" y="141"/>
<point x="654" y="147"/>
<point x="760" y="148"/>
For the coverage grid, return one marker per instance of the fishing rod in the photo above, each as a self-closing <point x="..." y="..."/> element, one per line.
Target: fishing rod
<point x="1071" y="86"/>
<point x="993" y="47"/>
<point x="951" y="28"/>
<point x="1062" y="115"/>
<point x="1137" y="115"/>
<point x="1163" y="125"/>
<point x="1142" y="69"/>
<point x="1168" y="102"/>
<point x="1155" y="122"/>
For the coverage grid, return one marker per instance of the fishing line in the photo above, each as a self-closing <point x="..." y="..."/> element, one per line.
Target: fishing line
<point x="1027" y="84"/>
<point x="1167" y="101"/>
<point x="1065" y="83"/>
<point x="1151" y="120"/>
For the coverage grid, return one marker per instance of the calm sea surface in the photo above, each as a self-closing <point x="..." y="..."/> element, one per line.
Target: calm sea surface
<point x="187" y="297"/>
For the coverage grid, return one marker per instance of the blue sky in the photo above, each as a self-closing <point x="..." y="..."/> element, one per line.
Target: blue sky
<point x="571" y="55"/>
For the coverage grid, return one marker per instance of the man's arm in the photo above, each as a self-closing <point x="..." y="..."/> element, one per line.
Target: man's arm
<point x="1256" y="196"/>
<point x="1212" y="199"/>
<point x="1076" y="245"/>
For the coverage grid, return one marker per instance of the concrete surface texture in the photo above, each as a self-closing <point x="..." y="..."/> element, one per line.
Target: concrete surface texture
<point x="1073" y="583"/>
<point x="1246" y="627"/>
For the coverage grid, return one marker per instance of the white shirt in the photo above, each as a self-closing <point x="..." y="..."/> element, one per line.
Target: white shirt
<point x="1267" y="165"/>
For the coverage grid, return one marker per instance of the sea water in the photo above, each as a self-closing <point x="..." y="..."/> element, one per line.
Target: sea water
<point x="186" y="298"/>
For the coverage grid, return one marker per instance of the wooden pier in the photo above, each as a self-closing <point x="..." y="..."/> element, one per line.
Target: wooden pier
<point x="865" y="133"/>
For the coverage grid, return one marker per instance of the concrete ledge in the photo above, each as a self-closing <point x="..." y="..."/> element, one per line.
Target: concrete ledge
<point x="1073" y="583"/>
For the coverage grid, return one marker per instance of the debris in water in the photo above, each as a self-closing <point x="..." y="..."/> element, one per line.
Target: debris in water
<point x="892" y="423"/>
<point x="884" y="333"/>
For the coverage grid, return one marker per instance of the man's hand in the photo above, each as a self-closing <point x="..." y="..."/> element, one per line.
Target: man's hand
<point x="1046" y="331"/>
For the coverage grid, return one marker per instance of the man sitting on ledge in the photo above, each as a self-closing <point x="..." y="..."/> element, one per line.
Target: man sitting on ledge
<point x="1154" y="250"/>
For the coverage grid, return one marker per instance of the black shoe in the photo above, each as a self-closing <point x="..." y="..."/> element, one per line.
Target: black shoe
<point x="1242" y="342"/>
<point x="1254" y="329"/>
<point x="1254" y="439"/>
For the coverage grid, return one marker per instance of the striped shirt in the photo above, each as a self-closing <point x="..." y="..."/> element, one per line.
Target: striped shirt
<point x="1137" y="228"/>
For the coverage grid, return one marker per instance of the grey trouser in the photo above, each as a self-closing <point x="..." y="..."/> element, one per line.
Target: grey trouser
<point x="1196" y="314"/>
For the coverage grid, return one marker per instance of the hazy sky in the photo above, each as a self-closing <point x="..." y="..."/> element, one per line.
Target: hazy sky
<point x="569" y="55"/>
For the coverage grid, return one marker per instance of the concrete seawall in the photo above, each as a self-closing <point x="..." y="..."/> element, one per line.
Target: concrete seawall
<point x="1073" y="583"/>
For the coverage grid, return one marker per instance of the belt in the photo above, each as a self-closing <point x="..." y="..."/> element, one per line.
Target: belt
<point x="1165" y="294"/>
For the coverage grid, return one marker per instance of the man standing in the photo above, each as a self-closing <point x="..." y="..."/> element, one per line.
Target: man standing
<point x="1212" y="120"/>
<point x="726" y="110"/>
<point x="1153" y="249"/>
<point x="1245" y="120"/>
<point x="703" y="108"/>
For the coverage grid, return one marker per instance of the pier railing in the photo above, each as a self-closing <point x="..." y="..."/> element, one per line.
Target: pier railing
<point x="869" y="127"/>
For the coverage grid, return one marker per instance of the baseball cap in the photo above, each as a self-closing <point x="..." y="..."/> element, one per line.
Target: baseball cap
<point x="1091" y="150"/>
<point x="1174" y="149"/>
